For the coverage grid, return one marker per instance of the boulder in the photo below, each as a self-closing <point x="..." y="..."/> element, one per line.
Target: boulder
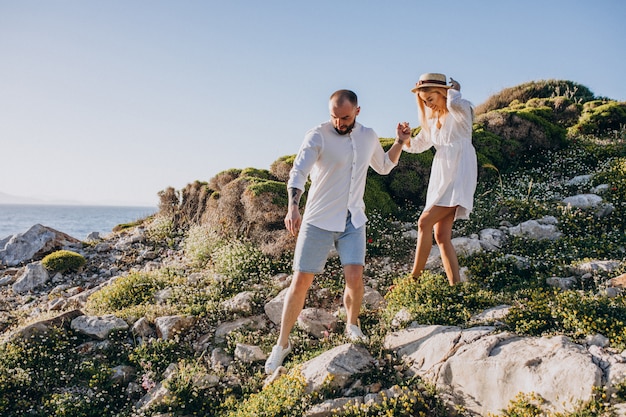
<point x="485" y="371"/>
<point x="34" y="244"/>
<point x="337" y="365"/>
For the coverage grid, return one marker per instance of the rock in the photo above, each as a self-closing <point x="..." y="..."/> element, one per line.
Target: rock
<point x="564" y="283"/>
<point x="595" y="266"/>
<point x="142" y="328"/>
<point x="536" y="230"/>
<point x="249" y="353"/>
<point x="42" y="327"/>
<point x="337" y="365"/>
<point x="491" y="315"/>
<point x="486" y="371"/>
<point x="274" y="308"/>
<point x="34" y="244"/>
<point x="220" y="359"/>
<point x="583" y="200"/>
<point x="372" y="299"/>
<point x="579" y="179"/>
<point x="492" y="239"/>
<point x="33" y="275"/>
<point x="98" y="327"/>
<point x="317" y="322"/>
<point x="467" y="246"/>
<point x="169" y="326"/>
<point x="240" y="303"/>
<point x="254" y="323"/>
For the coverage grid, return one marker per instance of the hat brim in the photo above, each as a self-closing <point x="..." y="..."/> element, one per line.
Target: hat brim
<point x="419" y="87"/>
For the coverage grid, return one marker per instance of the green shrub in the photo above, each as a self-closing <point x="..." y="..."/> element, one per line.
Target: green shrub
<point x="63" y="261"/>
<point x="600" y="117"/>
<point x="494" y="272"/>
<point x="408" y="401"/>
<point x="535" y="89"/>
<point x="386" y="238"/>
<point x="376" y="198"/>
<point x="573" y="313"/>
<point x="131" y="290"/>
<point x="284" y="397"/>
<point x="154" y="356"/>
<point x="161" y="229"/>
<point x="191" y="390"/>
<point x="431" y="300"/>
<point x="200" y="243"/>
<point x="35" y="375"/>
<point x="243" y="264"/>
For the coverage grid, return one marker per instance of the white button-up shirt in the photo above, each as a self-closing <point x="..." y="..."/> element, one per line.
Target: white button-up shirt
<point x="337" y="165"/>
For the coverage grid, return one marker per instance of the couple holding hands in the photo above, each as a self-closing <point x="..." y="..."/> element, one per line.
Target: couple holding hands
<point x="336" y="156"/>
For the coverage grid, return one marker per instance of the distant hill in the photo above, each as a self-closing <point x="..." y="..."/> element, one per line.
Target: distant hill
<point x="14" y="199"/>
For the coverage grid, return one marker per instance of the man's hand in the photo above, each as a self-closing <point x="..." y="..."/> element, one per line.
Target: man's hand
<point x="454" y="84"/>
<point x="403" y="132"/>
<point x="293" y="220"/>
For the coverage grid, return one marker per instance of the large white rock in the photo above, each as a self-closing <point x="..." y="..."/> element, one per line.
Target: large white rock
<point x="340" y="364"/>
<point x="34" y="243"/>
<point x="486" y="370"/>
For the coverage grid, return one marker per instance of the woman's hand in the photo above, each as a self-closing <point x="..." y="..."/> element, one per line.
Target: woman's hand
<point x="454" y="84"/>
<point x="403" y="132"/>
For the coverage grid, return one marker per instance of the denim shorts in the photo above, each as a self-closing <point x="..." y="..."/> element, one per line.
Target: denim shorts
<point x="314" y="245"/>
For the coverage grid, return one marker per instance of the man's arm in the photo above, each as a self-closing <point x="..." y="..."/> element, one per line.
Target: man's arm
<point x="403" y="134"/>
<point x="293" y="219"/>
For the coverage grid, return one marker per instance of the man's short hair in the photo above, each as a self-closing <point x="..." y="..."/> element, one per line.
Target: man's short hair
<point x="340" y="96"/>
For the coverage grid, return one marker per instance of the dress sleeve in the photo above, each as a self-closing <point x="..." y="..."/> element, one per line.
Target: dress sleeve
<point x="460" y="109"/>
<point x="419" y="143"/>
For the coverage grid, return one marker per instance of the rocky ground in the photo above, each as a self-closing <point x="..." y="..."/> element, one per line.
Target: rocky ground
<point x="480" y="368"/>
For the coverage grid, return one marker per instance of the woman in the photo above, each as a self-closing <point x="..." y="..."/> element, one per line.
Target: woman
<point x="446" y="120"/>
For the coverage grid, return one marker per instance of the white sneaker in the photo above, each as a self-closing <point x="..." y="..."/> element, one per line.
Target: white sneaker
<point x="276" y="358"/>
<point x="354" y="333"/>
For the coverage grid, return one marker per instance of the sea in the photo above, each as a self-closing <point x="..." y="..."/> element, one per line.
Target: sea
<point x="76" y="221"/>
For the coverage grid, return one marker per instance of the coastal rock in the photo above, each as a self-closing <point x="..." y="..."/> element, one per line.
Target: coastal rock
<point x="33" y="275"/>
<point x="34" y="244"/>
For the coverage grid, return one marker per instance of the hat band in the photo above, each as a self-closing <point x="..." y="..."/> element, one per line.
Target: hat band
<point x="420" y="82"/>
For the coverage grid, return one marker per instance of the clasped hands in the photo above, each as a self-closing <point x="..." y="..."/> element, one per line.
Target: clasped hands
<point x="403" y="132"/>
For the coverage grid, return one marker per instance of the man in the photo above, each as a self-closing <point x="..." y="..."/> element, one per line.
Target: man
<point x="337" y="155"/>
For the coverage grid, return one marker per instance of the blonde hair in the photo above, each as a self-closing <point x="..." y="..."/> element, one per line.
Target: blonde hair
<point x="424" y="112"/>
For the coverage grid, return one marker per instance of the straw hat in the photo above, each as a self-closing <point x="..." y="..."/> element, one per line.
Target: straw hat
<point x="431" y="80"/>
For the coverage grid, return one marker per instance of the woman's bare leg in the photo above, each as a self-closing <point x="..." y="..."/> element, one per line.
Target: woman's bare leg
<point x="425" y="227"/>
<point x="443" y="237"/>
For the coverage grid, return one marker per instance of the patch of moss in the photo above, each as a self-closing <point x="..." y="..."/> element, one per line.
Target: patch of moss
<point x="258" y="186"/>
<point x="63" y="261"/>
<point x="600" y="117"/>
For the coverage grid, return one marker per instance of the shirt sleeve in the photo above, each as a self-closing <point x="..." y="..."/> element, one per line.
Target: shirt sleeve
<point x="380" y="162"/>
<point x="308" y="154"/>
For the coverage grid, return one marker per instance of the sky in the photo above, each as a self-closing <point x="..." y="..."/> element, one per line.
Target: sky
<point x="110" y="102"/>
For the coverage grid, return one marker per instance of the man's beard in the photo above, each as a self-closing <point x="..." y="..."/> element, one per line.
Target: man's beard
<point x="347" y="130"/>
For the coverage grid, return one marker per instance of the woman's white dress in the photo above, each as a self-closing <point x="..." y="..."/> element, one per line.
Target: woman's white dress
<point x="454" y="172"/>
